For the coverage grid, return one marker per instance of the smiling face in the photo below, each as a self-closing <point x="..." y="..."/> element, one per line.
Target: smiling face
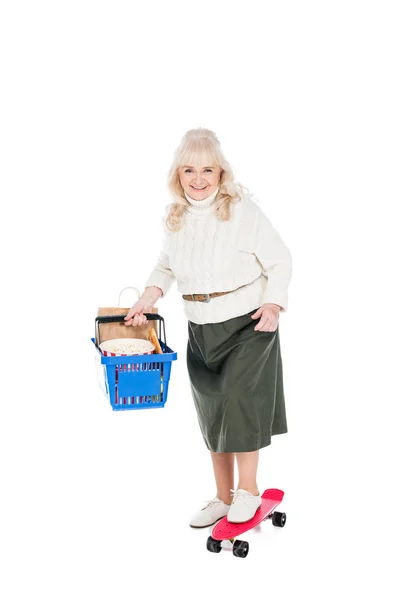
<point x="199" y="182"/>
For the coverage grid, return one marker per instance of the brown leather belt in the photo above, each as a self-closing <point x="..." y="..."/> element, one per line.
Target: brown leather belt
<point x="207" y="297"/>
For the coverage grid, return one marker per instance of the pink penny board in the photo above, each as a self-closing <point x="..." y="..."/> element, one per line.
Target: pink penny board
<point x="224" y="530"/>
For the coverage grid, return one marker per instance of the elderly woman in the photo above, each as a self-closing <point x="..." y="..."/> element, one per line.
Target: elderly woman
<point x="233" y="271"/>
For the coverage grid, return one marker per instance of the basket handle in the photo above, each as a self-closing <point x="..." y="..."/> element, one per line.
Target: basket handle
<point x="120" y="318"/>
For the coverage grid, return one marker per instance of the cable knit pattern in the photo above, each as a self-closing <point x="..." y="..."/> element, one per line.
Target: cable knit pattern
<point x="209" y="255"/>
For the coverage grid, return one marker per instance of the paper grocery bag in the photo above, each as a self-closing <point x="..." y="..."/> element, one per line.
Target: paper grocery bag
<point x="111" y="331"/>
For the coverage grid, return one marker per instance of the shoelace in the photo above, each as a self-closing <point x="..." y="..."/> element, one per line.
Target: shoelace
<point x="209" y="502"/>
<point x="235" y="495"/>
<point x="242" y="493"/>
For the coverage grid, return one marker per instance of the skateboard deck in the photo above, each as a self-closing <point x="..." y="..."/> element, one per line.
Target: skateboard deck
<point x="224" y="530"/>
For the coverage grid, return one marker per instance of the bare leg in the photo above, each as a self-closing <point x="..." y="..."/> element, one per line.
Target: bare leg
<point x="223" y="464"/>
<point x="247" y="463"/>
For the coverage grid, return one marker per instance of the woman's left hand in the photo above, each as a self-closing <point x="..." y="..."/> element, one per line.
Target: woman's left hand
<point x="269" y="314"/>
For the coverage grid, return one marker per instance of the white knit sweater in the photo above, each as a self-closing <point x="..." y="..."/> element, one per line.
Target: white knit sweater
<point x="209" y="255"/>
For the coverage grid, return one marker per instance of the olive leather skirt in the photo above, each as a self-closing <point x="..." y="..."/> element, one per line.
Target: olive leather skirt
<point x="236" y="381"/>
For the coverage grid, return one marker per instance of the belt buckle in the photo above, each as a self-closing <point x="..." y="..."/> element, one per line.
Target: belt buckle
<point x="208" y="297"/>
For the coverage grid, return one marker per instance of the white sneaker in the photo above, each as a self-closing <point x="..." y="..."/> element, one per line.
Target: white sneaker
<point x="214" y="510"/>
<point x="244" y="506"/>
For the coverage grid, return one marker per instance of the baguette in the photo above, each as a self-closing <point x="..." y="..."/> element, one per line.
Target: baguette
<point x="154" y="340"/>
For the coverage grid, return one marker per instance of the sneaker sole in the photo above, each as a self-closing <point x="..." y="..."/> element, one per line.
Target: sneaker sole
<point x="202" y="526"/>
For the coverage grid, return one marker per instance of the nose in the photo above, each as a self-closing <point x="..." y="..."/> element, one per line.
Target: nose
<point x="198" y="179"/>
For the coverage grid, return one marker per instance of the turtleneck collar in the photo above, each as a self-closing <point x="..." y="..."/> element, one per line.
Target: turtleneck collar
<point x="198" y="206"/>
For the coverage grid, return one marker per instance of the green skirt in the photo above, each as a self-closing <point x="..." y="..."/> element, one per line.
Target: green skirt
<point x="236" y="380"/>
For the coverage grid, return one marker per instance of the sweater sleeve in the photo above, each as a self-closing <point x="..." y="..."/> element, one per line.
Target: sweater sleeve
<point x="276" y="261"/>
<point x="162" y="276"/>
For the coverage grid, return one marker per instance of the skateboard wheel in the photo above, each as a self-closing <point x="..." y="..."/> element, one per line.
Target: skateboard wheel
<point x="278" y="519"/>
<point x="214" y="545"/>
<point x="240" y="548"/>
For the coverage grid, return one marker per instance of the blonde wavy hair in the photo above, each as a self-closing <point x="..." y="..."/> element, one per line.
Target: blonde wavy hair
<point x="200" y="147"/>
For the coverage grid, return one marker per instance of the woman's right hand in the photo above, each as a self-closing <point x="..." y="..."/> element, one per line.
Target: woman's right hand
<point x="135" y="316"/>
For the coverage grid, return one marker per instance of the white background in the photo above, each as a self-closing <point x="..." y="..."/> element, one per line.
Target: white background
<point x="95" y="98"/>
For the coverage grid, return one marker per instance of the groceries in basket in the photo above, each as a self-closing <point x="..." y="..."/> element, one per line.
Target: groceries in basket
<point x="126" y="347"/>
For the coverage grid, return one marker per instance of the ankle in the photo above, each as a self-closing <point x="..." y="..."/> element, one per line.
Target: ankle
<point x="253" y="490"/>
<point x="225" y="499"/>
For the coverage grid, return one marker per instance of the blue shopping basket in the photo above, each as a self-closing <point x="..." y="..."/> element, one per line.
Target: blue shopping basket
<point x="134" y="382"/>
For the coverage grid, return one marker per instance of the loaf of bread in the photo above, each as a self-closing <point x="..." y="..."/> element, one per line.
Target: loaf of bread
<point x="154" y="340"/>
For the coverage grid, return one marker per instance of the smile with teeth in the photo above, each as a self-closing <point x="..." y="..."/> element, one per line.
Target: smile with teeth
<point x="196" y="188"/>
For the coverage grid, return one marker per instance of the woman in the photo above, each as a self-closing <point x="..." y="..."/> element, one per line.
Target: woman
<point x="233" y="271"/>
